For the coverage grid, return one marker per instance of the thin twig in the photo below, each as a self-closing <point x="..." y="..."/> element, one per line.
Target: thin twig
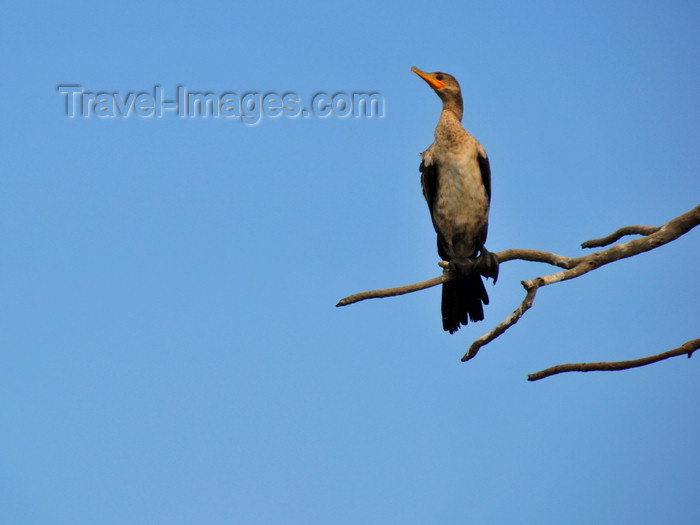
<point x="626" y="230"/>
<point x="399" y="290"/>
<point x="503" y="326"/>
<point x="685" y="349"/>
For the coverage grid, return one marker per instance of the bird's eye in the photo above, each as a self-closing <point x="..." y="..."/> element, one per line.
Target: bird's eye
<point x="439" y="77"/>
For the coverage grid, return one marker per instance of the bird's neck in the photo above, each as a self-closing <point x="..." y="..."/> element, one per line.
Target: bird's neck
<point x="450" y="117"/>
<point x="452" y="104"/>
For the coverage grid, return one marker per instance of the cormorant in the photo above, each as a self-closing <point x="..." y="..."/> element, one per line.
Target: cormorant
<point x="456" y="181"/>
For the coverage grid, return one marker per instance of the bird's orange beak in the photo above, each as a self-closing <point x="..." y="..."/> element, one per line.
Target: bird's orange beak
<point x="430" y="79"/>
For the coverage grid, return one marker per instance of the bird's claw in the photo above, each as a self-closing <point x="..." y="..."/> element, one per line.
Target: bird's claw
<point x="462" y="267"/>
<point x="486" y="264"/>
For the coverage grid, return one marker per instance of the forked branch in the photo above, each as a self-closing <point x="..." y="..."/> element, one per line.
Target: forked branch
<point x="573" y="267"/>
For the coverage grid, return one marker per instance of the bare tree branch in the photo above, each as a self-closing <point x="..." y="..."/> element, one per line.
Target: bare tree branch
<point x="572" y="267"/>
<point x="503" y="326"/>
<point x="447" y="275"/>
<point x="535" y="256"/>
<point x="685" y="349"/>
<point x="627" y="230"/>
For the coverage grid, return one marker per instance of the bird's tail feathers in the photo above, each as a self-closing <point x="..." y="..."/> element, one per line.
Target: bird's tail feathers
<point x="462" y="300"/>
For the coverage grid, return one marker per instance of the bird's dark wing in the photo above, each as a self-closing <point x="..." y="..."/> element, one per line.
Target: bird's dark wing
<point x="485" y="168"/>
<point x="429" y="182"/>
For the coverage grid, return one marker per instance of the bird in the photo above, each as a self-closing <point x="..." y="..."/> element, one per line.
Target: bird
<point x="456" y="182"/>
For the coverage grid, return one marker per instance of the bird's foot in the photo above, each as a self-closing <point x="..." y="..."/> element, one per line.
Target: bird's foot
<point x="462" y="267"/>
<point x="486" y="264"/>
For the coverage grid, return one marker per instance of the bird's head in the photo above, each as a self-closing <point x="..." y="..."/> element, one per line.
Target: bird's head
<point x="445" y="85"/>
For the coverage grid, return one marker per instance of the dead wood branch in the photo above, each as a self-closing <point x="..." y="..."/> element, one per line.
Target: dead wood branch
<point x="582" y="265"/>
<point x="627" y="230"/>
<point x="573" y="267"/>
<point x="399" y="290"/>
<point x="685" y="349"/>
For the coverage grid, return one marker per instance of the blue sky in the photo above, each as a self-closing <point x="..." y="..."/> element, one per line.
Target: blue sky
<point x="171" y="349"/>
